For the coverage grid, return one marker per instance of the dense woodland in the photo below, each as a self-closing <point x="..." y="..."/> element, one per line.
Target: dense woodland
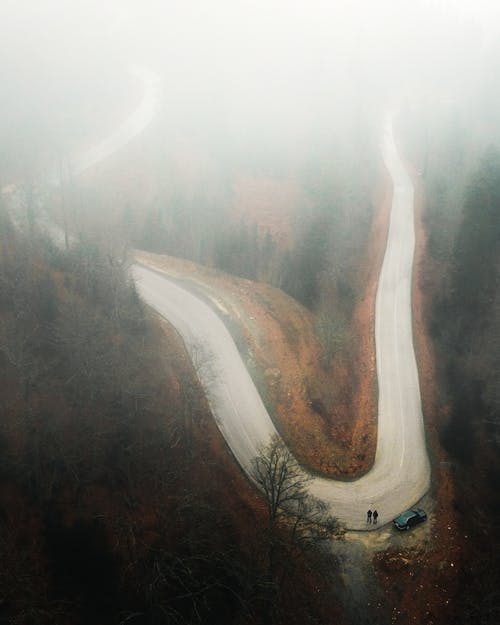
<point x="456" y="149"/>
<point x="118" y="500"/>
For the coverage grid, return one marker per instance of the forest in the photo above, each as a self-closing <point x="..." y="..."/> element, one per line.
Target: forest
<point x="460" y="163"/>
<point x="107" y="513"/>
<point x="261" y="168"/>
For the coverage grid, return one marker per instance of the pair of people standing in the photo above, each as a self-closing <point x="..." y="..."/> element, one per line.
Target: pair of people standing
<point x="372" y="515"/>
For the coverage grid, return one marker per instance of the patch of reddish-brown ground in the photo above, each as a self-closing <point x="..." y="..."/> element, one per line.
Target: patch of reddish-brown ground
<point x="270" y="203"/>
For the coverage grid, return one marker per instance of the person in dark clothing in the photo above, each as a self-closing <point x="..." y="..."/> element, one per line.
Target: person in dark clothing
<point x="375" y="517"/>
<point x="369" y="516"/>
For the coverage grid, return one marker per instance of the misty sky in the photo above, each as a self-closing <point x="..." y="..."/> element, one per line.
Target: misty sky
<point x="263" y="63"/>
<point x="269" y="43"/>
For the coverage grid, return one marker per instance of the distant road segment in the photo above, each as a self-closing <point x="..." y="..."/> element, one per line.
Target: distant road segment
<point x="132" y="126"/>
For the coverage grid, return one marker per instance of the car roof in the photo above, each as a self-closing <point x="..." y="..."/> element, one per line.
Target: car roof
<point x="404" y="516"/>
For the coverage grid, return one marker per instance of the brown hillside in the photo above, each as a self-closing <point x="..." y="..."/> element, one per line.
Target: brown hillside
<point x="328" y="416"/>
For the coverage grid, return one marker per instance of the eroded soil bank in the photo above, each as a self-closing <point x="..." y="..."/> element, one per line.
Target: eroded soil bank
<point x="327" y="415"/>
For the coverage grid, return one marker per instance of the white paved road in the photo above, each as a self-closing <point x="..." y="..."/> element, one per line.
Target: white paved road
<point x="401" y="474"/>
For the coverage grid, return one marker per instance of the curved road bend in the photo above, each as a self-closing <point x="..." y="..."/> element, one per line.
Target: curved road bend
<point x="400" y="475"/>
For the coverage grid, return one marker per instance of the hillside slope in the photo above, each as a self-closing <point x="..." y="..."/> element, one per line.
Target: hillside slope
<point x="118" y="497"/>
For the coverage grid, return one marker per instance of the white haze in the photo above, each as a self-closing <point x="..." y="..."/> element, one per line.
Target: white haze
<point x="250" y="71"/>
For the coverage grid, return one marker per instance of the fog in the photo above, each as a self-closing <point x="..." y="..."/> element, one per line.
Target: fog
<point x="252" y="72"/>
<point x="238" y="146"/>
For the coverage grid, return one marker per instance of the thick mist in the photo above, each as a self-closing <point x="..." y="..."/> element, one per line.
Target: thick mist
<point x="200" y="129"/>
<point x="265" y="76"/>
<point x="308" y="195"/>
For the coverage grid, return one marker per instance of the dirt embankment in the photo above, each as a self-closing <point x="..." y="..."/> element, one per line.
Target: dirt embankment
<point x="327" y="416"/>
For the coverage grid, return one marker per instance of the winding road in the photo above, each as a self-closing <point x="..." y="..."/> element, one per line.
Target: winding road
<point x="400" y="475"/>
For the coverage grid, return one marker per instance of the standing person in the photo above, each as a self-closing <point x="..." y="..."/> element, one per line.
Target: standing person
<point x="375" y="517"/>
<point x="369" y="516"/>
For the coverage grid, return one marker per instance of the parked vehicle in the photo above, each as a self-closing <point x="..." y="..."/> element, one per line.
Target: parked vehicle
<point x="409" y="519"/>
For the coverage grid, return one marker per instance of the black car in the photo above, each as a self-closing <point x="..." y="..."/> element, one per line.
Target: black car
<point x="409" y="519"/>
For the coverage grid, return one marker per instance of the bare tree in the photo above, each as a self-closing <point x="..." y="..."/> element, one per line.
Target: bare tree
<point x="281" y="479"/>
<point x="297" y="521"/>
<point x="284" y="485"/>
